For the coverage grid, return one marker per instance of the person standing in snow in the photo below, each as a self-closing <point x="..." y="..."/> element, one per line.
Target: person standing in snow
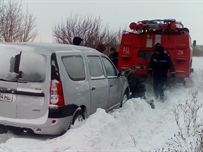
<point x="160" y="63"/>
<point x="77" y="40"/>
<point x="114" y="56"/>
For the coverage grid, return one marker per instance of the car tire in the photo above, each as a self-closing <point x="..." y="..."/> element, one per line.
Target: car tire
<point x="17" y="131"/>
<point x="124" y="98"/>
<point x="3" y="130"/>
<point x="77" y="119"/>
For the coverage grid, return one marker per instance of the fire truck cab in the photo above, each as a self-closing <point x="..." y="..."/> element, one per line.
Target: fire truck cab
<point x="137" y="46"/>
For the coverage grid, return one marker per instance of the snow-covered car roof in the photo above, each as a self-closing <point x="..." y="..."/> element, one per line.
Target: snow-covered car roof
<point x="48" y="48"/>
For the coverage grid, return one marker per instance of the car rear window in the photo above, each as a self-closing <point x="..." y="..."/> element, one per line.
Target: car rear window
<point x="33" y="67"/>
<point x="5" y="63"/>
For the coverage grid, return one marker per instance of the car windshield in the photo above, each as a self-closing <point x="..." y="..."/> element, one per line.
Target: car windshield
<point x="32" y="66"/>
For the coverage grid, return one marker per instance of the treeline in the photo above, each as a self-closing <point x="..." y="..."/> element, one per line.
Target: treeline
<point x="17" y="25"/>
<point x="90" y="29"/>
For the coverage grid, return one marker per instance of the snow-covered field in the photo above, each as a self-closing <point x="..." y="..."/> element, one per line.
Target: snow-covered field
<point x="135" y="127"/>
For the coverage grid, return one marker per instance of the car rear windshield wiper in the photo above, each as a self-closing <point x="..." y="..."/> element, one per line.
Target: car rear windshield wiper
<point x="1" y="79"/>
<point x="22" y="81"/>
<point x="14" y="80"/>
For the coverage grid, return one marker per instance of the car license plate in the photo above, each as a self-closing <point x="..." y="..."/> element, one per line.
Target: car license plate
<point x="6" y="97"/>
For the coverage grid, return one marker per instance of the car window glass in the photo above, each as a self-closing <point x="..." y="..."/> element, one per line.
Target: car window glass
<point x="7" y="63"/>
<point x="95" y="67"/>
<point x="110" y="69"/>
<point x="33" y="67"/>
<point x="75" y="67"/>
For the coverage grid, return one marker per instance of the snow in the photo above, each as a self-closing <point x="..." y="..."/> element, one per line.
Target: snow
<point x="135" y="127"/>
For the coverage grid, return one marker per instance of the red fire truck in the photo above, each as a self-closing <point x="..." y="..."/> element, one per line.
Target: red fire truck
<point x="138" y="44"/>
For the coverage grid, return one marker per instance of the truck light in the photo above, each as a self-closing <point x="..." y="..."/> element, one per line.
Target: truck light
<point x="173" y="26"/>
<point x="141" y="26"/>
<point x="133" y="26"/>
<point x="164" y="26"/>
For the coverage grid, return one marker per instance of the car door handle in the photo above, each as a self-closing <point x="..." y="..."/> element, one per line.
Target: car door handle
<point x="111" y="85"/>
<point x="93" y="88"/>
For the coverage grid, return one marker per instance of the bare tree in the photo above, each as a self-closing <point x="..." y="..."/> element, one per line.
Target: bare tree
<point x="15" y="25"/>
<point x="89" y="28"/>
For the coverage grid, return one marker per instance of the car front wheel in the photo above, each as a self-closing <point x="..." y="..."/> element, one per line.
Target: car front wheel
<point x="124" y="99"/>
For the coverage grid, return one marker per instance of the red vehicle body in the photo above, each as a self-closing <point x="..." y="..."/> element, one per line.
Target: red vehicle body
<point x="137" y="46"/>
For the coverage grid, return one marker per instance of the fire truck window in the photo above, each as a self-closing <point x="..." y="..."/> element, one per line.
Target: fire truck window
<point x="145" y="54"/>
<point x="141" y="54"/>
<point x="110" y="69"/>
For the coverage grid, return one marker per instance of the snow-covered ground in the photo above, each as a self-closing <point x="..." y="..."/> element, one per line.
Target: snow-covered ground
<point x="135" y="127"/>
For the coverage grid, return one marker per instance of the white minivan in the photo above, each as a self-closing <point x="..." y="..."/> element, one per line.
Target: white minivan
<point x="45" y="88"/>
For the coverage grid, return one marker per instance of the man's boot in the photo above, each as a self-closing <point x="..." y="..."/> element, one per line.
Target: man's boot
<point x="162" y="98"/>
<point x="151" y="103"/>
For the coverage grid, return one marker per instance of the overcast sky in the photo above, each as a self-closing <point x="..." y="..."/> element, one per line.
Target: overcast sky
<point x="116" y="13"/>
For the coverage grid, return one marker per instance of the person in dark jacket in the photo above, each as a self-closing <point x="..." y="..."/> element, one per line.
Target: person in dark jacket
<point x="137" y="86"/>
<point x="160" y="63"/>
<point x="114" y="56"/>
<point x="136" y="83"/>
<point x="77" y="40"/>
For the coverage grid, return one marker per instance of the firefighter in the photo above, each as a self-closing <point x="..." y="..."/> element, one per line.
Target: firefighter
<point x="114" y="56"/>
<point x="160" y="63"/>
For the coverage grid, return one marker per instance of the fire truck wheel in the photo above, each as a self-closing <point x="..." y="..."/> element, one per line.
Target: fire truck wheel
<point x="186" y="82"/>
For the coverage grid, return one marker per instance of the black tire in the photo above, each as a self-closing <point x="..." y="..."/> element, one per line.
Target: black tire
<point x="79" y="115"/>
<point x="125" y="97"/>
<point x="17" y="131"/>
<point x="3" y="130"/>
<point x="75" y="116"/>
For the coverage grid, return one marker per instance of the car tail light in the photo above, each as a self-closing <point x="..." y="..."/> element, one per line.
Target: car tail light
<point x="56" y="93"/>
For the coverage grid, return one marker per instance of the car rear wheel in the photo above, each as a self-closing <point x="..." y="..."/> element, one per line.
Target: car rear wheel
<point x="78" y="118"/>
